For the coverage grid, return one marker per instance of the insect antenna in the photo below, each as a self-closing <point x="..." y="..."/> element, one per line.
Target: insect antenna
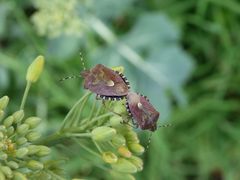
<point x="82" y="61"/>
<point x="149" y="140"/>
<point x="165" y="125"/>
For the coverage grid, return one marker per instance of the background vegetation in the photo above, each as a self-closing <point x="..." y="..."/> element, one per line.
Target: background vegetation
<point x="184" y="55"/>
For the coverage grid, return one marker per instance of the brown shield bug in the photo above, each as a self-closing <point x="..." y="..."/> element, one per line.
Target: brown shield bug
<point x="106" y="83"/>
<point x="142" y="111"/>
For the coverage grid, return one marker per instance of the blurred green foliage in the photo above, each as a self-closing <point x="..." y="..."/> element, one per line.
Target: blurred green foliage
<point x="160" y="43"/>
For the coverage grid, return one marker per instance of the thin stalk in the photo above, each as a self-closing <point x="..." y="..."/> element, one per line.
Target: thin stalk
<point x="98" y="147"/>
<point x="27" y="88"/>
<point x="79" y="113"/>
<point x="78" y="135"/>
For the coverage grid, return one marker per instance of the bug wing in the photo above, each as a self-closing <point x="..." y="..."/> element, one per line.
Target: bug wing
<point x="97" y="80"/>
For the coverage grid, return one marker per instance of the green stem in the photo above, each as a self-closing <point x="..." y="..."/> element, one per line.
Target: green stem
<point x="78" y="135"/>
<point x="25" y="95"/>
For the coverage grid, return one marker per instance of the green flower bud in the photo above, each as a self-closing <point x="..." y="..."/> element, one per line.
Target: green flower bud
<point x="2" y="176"/>
<point x="1" y="114"/>
<point x="18" y="116"/>
<point x="1" y="145"/>
<point x="121" y="176"/>
<point x="103" y="133"/>
<point x="137" y="162"/>
<point x="21" y="140"/>
<point x="3" y="156"/>
<point x="35" y="69"/>
<point x="10" y="131"/>
<point x="7" y="171"/>
<point x="115" y="121"/>
<point x="118" y="68"/>
<point x="33" y="136"/>
<point x="8" y="121"/>
<point x="43" y="151"/>
<point x="1" y="135"/>
<point x="20" y="153"/>
<point x="22" y="129"/>
<point x="4" y="102"/>
<point x="136" y="148"/>
<point x="32" y="121"/>
<point x="3" y="129"/>
<point x="118" y="140"/>
<point x="109" y="157"/>
<point x="19" y="176"/>
<point x="34" y="165"/>
<point x="123" y="151"/>
<point x="131" y="137"/>
<point x="33" y="149"/>
<point x="12" y="164"/>
<point x="124" y="166"/>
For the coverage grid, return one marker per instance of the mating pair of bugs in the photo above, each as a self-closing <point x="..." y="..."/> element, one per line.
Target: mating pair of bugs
<point x="113" y="85"/>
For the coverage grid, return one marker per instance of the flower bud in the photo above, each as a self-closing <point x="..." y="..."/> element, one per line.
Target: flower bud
<point x="10" y="131"/>
<point x="19" y="176"/>
<point x="136" y="148"/>
<point x="8" y="121"/>
<point x="3" y="156"/>
<point x="121" y="176"/>
<point x="118" y="140"/>
<point x="35" y="69"/>
<point x="1" y="135"/>
<point x="123" y="151"/>
<point x="21" y="140"/>
<point x="18" y="116"/>
<point x="22" y="129"/>
<point x="43" y="150"/>
<point x="4" y="102"/>
<point x="109" y="157"/>
<point x="20" y="153"/>
<point x="115" y="121"/>
<point x="32" y="121"/>
<point x="124" y="166"/>
<point x="33" y="149"/>
<point x="35" y="165"/>
<point x="132" y="137"/>
<point x="12" y="164"/>
<point x="118" y="68"/>
<point x="33" y="136"/>
<point x="7" y="171"/>
<point x="1" y="114"/>
<point x="103" y="133"/>
<point x="137" y="162"/>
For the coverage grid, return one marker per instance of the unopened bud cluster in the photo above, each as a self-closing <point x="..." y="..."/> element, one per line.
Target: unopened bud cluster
<point x="17" y="151"/>
<point x="121" y="147"/>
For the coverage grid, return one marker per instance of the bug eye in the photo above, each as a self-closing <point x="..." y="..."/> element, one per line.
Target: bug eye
<point x="139" y="105"/>
<point x="110" y="83"/>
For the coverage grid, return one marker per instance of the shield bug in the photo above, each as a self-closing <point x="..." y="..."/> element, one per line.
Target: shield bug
<point x="106" y="83"/>
<point x="142" y="111"/>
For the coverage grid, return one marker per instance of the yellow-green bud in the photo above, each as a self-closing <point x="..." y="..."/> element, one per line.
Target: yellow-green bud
<point x="33" y="149"/>
<point x="136" y="148"/>
<point x="43" y="151"/>
<point x="22" y="129"/>
<point x="132" y="137"/>
<point x="138" y="162"/>
<point x="1" y="114"/>
<point x="10" y="130"/>
<point x="33" y="136"/>
<point x="21" y="140"/>
<point x="32" y="121"/>
<point x="123" y="151"/>
<point x="118" y="68"/>
<point x="3" y="128"/>
<point x="35" y="69"/>
<point x="18" y="116"/>
<point x="1" y="135"/>
<point x="109" y="157"/>
<point x="12" y="164"/>
<point x="103" y="133"/>
<point x="118" y="140"/>
<point x="7" y="171"/>
<point x="3" y="156"/>
<point x="20" y="153"/>
<point x="115" y="121"/>
<point x="124" y="166"/>
<point x="4" y="102"/>
<point x="2" y="176"/>
<point x="35" y="165"/>
<point x="18" y="176"/>
<point x="8" y="121"/>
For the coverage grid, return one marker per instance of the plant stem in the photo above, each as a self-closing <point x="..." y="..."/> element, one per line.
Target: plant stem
<point x="25" y="95"/>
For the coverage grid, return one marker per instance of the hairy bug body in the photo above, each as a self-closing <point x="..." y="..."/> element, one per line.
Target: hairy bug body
<point x="106" y="83"/>
<point x="142" y="111"/>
